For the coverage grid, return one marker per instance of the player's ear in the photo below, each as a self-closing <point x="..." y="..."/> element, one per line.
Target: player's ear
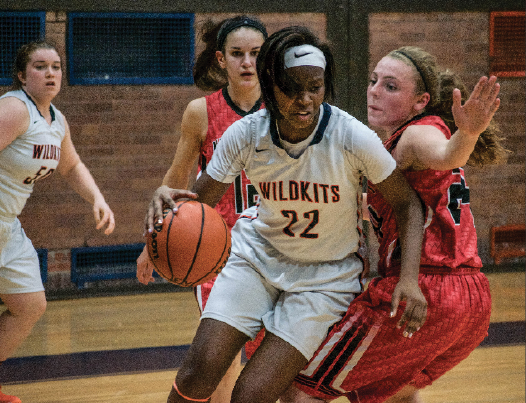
<point x="221" y="59"/>
<point x="22" y="77"/>
<point x="422" y="102"/>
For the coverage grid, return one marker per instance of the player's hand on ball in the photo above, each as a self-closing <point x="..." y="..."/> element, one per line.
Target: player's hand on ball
<point x="190" y="247"/>
<point x="162" y="198"/>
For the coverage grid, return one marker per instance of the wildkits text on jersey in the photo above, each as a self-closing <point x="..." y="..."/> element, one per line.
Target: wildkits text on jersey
<point x="46" y="152"/>
<point x="299" y="190"/>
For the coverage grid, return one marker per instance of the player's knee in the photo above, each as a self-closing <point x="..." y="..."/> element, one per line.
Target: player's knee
<point x="28" y="308"/>
<point x="254" y="391"/>
<point x="39" y="308"/>
<point x="242" y="395"/>
<point x="193" y="384"/>
<point x="408" y="394"/>
<point x="294" y="395"/>
<point x="200" y="374"/>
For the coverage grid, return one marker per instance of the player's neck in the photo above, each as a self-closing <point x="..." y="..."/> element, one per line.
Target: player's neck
<point x="43" y="104"/>
<point x="244" y="98"/>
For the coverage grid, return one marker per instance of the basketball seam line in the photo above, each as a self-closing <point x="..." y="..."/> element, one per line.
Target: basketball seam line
<point x="221" y="258"/>
<point x="172" y="278"/>
<point x="198" y="244"/>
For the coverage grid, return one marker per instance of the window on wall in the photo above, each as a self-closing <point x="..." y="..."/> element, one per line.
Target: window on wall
<point x="507" y="44"/>
<point x="17" y="29"/>
<point x="130" y="48"/>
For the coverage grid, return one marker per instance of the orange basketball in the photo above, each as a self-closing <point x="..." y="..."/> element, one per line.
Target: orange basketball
<point x="191" y="246"/>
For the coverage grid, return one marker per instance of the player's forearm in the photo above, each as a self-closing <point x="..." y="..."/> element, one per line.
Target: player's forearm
<point x="459" y="148"/>
<point x="81" y="181"/>
<point x="176" y="178"/>
<point x="410" y="222"/>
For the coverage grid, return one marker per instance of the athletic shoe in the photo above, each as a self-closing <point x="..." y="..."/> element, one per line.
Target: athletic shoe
<point x="8" y="398"/>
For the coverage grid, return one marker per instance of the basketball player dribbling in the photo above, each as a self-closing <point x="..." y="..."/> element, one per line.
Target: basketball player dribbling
<point x="34" y="141"/>
<point x="294" y="267"/>
<point x="414" y="108"/>
<point x="228" y="66"/>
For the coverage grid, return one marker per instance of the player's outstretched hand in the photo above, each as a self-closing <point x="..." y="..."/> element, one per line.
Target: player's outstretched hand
<point x="162" y="198"/>
<point x="415" y="311"/>
<point x="474" y="116"/>
<point x="144" y="268"/>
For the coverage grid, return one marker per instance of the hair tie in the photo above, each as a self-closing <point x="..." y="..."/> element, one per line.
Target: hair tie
<point x="233" y="24"/>
<point x="416" y="66"/>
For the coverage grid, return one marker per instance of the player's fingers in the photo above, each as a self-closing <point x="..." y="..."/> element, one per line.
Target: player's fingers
<point x="404" y="318"/>
<point x="413" y="319"/>
<point x="144" y="269"/>
<point x="493" y="87"/>
<point x="96" y="215"/>
<point x="421" y="319"/>
<point x="149" y="219"/>
<point x="495" y="106"/>
<point x="168" y="197"/>
<point x="411" y="327"/>
<point x="140" y="277"/>
<point x="155" y="209"/>
<point x="101" y="220"/>
<point x="405" y="322"/>
<point x="142" y="260"/>
<point x="494" y="93"/>
<point x="457" y="101"/>
<point x="106" y="219"/>
<point x="487" y="88"/>
<point x="146" y="225"/>
<point x="157" y="214"/>
<point x="395" y="301"/>
<point x="182" y="195"/>
<point x="168" y="201"/>
<point x="143" y="278"/>
<point x="111" y="223"/>
<point x="479" y="88"/>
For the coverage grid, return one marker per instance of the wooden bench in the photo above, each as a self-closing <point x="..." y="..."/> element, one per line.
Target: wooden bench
<point x="507" y="241"/>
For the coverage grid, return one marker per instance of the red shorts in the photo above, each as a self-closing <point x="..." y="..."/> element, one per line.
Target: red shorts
<point x="366" y="358"/>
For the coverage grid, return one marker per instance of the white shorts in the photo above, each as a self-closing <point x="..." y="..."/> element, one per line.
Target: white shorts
<point x="249" y="295"/>
<point x="19" y="264"/>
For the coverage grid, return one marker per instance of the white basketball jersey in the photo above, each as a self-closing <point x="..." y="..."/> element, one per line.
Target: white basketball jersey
<point x="308" y="205"/>
<point x="30" y="157"/>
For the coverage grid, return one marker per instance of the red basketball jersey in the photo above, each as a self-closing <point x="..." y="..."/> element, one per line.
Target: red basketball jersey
<point x="222" y="112"/>
<point x="450" y="239"/>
